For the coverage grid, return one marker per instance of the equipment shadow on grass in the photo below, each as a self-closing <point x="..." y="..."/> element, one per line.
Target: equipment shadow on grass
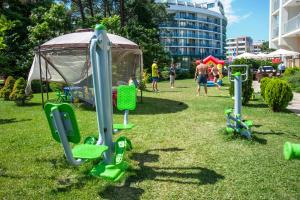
<point x="31" y="104"/>
<point x="12" y="120"/>
<point x="258" y="105"/>
<point x="179" y="175"/>
<point x="151" y="106"/>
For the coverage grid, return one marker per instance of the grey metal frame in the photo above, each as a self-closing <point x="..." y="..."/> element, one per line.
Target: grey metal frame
<point x="100" y="55"/>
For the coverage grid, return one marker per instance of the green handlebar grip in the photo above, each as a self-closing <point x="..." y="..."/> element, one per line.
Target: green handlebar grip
<point x="237" y="74"/>
<point x="100" y="27"/>
<point x="291" y="150"/>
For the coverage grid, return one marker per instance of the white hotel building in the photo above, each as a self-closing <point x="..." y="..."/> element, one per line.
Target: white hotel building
<point x="284" y="30"/>
<point x="197" y="30"/>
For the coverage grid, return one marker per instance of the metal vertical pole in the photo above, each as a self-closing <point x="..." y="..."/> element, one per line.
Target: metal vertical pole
<point x="41" y="79"/>
<point x="100" y="55"/>
<point x="47" y="85"/>
<point x="238" y="96"/>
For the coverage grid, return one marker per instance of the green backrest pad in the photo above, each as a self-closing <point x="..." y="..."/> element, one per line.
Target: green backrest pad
<point x="69" y="121"/>
<point x="126" y="97"/>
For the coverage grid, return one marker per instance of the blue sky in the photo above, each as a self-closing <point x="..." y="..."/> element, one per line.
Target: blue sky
<point x="247" y="18"/>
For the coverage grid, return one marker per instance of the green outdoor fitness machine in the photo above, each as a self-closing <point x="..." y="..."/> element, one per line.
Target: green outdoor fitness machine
<point x="291" y="151"/>
<point x="63" y="123"/>
<point x="235" y="124"/>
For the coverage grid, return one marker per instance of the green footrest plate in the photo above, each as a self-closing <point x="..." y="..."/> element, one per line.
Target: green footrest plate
<point x="249" y="123"/>
<point x="229" y="130"/>
<point x="88" y="151"/>
<point x="123" y="126"/>
<point x="109" y="172"/>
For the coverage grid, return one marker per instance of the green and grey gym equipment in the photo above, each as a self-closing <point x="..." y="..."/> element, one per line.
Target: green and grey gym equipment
<point x="126" y="101"/>
<point x="235" y="123"/>
<point x="63" y="124"/>
<point x="291" y="151"/>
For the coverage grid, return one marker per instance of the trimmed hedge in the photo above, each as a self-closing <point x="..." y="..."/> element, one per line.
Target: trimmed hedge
<point x="7" y="88"/>
<point x="263" y="83"/>
<point x="18" y="94"/>
<point x="278" y="94"/>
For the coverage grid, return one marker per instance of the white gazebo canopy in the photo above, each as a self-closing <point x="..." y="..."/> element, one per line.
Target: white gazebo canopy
<point x="247" y="56"/>
<point x="282" y="53"/>
<point x="262" y="56"/>
<point x="66" y="59"/>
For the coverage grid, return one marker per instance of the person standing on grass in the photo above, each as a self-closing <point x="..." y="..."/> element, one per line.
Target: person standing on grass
<point x="155" y="76"/>
<point x="215" y="72"/>
<point x="172" y="73"/>
<point x="201" y="74"/>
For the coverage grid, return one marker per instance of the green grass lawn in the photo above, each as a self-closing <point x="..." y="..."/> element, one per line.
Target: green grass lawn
<point x="179" y="152"/>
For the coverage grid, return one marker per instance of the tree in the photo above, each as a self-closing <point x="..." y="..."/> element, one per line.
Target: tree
<point x="265" y="47"/>
<point x="7" y="88"/>
<point x="48" y="23"/>
<point x="16" y="57"/>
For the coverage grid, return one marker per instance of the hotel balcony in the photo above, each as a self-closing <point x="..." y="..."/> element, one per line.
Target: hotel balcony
<point x="292" y="25"/>
<point x="275" y="5"/>
<point x="189" y="26"/>
<point x="206" y="20"/>
<point x="196" y="36"/>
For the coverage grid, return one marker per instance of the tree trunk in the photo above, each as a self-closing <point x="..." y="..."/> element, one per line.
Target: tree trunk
<point x="91" y="7"/>
<point x="122" y="14"/>
<point x="80" y="7"/>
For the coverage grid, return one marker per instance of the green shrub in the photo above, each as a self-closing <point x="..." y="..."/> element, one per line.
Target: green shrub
<point x="183" y="74"/>
<point x="18" y="94"/>
<point x="164" y="75"/>
<point x="263" y="83"/>
<point x="278" y="94"/>
<point x="146" y="77"/>
<point x="36" y="86"/>
<point x="54" y="86"/>
<point x="292" y="76"/>
<point x="291" y="71"/>
<point x="247" y="89"/>
<point x="7" y="88"/>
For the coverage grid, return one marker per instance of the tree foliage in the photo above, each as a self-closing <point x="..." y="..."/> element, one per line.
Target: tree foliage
<point x="47" y="24"/>
<point x="26" y="24"/>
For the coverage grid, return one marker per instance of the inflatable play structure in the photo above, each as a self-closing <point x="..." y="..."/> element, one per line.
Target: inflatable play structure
<point x="235" y="123"/>
<point x="63" y="124"/>
<point x="212" y="62"/>
<point x="66" y="59"/>
<point x="291" y="151"/>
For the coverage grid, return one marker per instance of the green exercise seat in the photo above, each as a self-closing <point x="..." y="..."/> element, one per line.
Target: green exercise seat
<point x="126" y="101"/>
<point x="70" y="126"/>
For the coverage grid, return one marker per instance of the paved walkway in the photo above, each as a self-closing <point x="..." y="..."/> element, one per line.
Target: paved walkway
<point x="293" y="106"/>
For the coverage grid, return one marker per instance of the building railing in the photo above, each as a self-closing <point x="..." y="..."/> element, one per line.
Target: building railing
<point x="200" y="19"/>
<point x="292" y="24"/>
<point x="190" y="35"/>
<point x="284" y="1"/>
<point x="275" y="32"/>
<point x="163" y="25"/>
<point x="193" y="54"/>
<point x="275" y="5"/>
<point x="190" y="44"/>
